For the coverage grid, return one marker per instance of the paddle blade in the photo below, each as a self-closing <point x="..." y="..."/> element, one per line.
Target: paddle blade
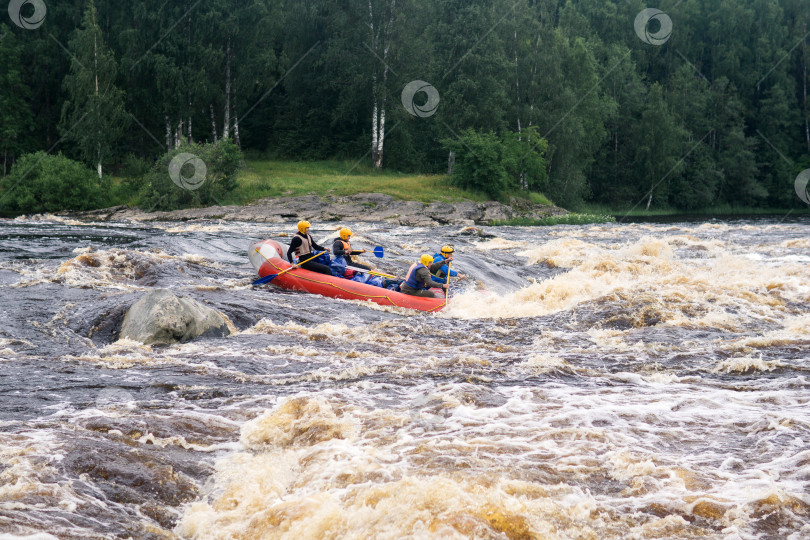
<point x="378" y="251"/>
<point x="266" y="279"/>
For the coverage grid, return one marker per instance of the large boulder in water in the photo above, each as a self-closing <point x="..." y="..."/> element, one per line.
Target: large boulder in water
<point x="161" y="318"/>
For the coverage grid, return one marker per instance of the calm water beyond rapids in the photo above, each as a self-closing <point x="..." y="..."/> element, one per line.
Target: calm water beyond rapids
<point x="612" y="381"/>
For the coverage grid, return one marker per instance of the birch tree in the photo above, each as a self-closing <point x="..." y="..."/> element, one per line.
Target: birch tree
<point x="93" y="116"/>
<point x="380" y="23"/>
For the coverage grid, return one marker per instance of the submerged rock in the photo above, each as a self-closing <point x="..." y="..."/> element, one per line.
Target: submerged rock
<point x="161" y="318"/>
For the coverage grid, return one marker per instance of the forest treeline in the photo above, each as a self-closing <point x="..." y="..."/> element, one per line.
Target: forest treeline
<point x="710" y="109"/>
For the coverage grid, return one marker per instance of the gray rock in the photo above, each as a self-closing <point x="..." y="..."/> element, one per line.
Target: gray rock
<point x="495" y="211"/>
<point x="363" y="207"/>
<point x="161" y="318"/>
<point x="470" y="211"/>
<point x="474" y="231"/>
<point x="416" y="221"/>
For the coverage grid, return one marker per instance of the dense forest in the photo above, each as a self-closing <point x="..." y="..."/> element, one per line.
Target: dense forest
<point x="693" y="104"/>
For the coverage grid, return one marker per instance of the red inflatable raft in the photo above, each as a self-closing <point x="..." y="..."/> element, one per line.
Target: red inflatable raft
<point x="267" y="258"/>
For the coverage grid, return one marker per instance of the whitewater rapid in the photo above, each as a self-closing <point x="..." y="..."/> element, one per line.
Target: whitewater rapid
<point x="597" y="381"/>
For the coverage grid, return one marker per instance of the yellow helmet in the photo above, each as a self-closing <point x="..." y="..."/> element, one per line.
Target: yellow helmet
<point x="303" y="226"/>
<point x="426" y="259"/>
<point x="345" y="233"/>
<point x="447" y="250"/>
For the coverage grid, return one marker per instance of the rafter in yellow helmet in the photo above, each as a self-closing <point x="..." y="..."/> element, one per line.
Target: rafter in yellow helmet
<point x="303" y="226"/>
<point x="345" y="233"/>
<point x="426" y="259"/>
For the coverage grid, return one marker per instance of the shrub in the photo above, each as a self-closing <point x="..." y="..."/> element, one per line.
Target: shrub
<point x="494" y="164"/>
<point x="479" y="163"/>
<point x="41" y="182"/>
<point x="222" y="160"/>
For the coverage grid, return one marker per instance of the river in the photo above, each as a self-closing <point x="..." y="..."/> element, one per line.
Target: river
<point x="613" y="381"/>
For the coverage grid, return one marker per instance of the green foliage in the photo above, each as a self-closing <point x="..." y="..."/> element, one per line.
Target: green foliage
<point x="222" y="162"/>
<point x="15" y="116"/>
<point x="479" y="163"/>
<point x="523" y="159"/>
<point x="41" y="182"/>
<point x="717" y="115"/>
<point x="539" y="198"/>
<point x="494" y="165"/>
<point x="93" y="116"/>
<point x="134" y="166"/>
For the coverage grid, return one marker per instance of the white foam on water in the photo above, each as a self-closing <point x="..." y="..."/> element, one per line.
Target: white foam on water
<point x="495" y="244"/>
<point x="723" y="292"/>
<point x="317" y="466"/>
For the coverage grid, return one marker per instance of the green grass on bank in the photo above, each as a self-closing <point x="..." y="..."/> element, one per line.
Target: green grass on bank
<point x="270" y="178"/>
<point x="260" y="178"/>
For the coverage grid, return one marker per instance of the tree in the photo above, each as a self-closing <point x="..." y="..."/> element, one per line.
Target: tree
<point x="735" y="151"/>
<point x="15" y="115"/>
<point x="659" y="146"/>
<point x="93" y="116"/>
<point x="380" y="23"/>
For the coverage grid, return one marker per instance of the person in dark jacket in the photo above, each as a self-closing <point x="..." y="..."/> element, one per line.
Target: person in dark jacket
<point x="342" y="248"/>
<point x="303" y="247"/>
<point x="419" y="280"/>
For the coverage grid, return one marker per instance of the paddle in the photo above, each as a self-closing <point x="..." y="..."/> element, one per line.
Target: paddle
<point x="372" y="272"/>
<point x="270" y="277"/>
<point x="447" y="292"/>
<point x="378" y="252"/>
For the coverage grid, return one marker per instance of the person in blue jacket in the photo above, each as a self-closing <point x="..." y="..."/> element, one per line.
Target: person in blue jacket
<point x="419" y="281"/>
<point x="440" y="265"/>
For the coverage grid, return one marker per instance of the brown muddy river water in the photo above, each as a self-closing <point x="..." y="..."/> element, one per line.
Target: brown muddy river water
<point x="615" y="381"/>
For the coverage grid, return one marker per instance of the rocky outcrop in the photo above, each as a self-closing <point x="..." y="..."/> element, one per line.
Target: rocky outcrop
<point x="369" y="207"/>
<point x="161" y="318"/>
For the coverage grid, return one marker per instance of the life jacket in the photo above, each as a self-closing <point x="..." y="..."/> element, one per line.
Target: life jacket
<point x="411" y="280"/>
<point x="441" y="274"/>
<point x="347" y="247"/>
<point x="306" y="246"/>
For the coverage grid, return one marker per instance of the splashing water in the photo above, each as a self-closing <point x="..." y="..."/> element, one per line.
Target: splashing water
<point x="611" y="381"/>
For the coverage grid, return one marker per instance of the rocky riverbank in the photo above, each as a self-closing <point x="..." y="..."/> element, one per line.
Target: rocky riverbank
<point x="375" y="207"/>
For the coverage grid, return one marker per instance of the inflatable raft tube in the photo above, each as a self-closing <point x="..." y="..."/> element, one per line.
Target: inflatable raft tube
<point x="267" y="258"/>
